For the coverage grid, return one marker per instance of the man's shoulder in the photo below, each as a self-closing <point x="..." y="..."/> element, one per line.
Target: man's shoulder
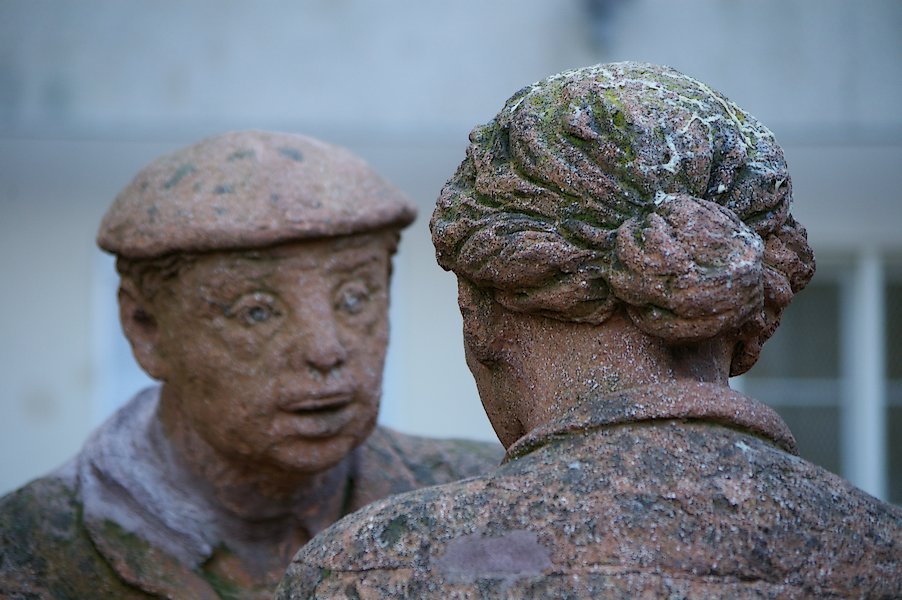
<point x="40" y="515"/>
<point x="46" y="550"/>
<point x="431" y="461"/>
<point x="46" y="505"/>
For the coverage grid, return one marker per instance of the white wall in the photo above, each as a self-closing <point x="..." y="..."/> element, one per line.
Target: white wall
<point x="92" y="90"/>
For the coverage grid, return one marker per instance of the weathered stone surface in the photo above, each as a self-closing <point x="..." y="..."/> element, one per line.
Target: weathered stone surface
<point x="628" y="185"/>
<point x="249" y="189"/>
<point x="608" y="502"/>
<point x="255" y="286"/>
<point x="622" y="240"/>
<point x="56" y="540"/>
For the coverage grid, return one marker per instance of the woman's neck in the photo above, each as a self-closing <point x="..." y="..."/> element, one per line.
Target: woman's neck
<point x="556" y="364"/>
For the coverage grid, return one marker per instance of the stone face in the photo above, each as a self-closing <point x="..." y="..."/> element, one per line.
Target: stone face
<point x="255" y="286"/>
<point x="249" y="189"/>
<point x="623" y="244"/>
<point x="277" y="352"/>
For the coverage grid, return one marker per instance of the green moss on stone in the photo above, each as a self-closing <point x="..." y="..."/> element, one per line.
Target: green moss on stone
<point x="395" y="529"/>
<point x="180" y="173"/>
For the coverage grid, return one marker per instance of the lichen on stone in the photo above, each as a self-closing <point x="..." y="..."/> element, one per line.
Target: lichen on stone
<point x="575" y="161"/>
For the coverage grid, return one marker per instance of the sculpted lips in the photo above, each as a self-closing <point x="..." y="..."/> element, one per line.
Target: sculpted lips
<point x="319" y="415"/>
<point x="319" y="403"/>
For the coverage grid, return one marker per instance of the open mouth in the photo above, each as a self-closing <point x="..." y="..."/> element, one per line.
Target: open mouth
<point x="323" y="404"/>
<point x="319" y="416"/>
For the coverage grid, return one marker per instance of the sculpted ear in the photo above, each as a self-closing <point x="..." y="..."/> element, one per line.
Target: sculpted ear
<point x="141" y="329"/>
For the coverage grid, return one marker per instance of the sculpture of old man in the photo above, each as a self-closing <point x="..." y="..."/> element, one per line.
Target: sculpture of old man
<point x="254" y="285"/>
<point x="622" y="241"/>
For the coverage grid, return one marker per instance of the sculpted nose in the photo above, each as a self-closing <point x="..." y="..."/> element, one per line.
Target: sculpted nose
<point x="316" y="344"/>
<point x="314" y="341"/>
<point x="324" y="350"/>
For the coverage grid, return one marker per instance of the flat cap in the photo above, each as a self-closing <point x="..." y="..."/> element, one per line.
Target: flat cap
<point x="249" y="189"/>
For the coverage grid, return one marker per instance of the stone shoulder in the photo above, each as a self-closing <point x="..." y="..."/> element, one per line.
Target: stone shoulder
<point x="711" y="507"/>
<point x="434" y="461"/>
<point x="430" y="461"/>
<point x="41" y="533"/>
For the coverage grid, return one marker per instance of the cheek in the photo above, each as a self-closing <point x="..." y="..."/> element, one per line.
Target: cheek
<point x="477" y="341"/>
<point x="220" y="392"/>
<point x="476" y="366"/>
<point x="234" y="414"/>
<point x="245" y="346"/>
<point x="366" y="342"/>
<point x="486" y="381"/>
<point x="205" y="350"/>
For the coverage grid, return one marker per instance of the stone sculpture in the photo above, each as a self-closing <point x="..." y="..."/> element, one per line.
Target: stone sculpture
<point x="622" y="240"/>
<point x="254" y="284"/>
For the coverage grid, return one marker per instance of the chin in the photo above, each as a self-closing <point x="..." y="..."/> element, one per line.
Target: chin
<point x="310" y="456"/>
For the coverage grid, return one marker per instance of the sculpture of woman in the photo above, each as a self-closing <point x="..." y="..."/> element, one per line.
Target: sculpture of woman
<point x="623" y="244"/>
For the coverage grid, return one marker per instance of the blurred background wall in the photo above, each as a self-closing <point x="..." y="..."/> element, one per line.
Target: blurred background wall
<point x="91" y="91"/>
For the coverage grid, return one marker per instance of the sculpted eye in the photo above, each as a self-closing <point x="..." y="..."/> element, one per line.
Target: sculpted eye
<point x="254" y="309"/>
<point x="352" y="297"/>
<point x="257" y="314"/>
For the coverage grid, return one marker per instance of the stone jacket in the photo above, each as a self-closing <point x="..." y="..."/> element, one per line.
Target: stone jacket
<point x="688" y="491"/>
<point x="74" y="534"/>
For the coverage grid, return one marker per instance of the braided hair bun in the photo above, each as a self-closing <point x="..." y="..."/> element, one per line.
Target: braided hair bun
<point x="629" y="186"/>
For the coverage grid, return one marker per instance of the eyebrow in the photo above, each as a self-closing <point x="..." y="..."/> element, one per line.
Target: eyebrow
<point x="350" y="264"/>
